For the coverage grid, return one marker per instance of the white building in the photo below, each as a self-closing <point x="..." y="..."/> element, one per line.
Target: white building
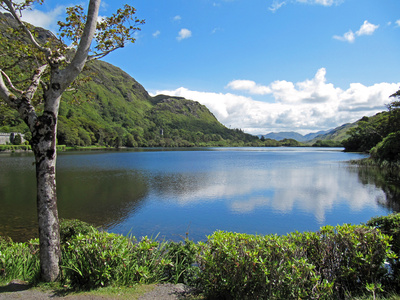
<point x="8" y="138"/>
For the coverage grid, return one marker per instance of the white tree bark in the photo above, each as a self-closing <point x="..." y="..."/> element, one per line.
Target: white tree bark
<point x="44" y="146"/>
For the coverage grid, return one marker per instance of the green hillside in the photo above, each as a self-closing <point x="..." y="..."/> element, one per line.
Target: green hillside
<point x="372" y="130"/>
<point x="113" y="109"/>
<point x="334" y="137"/>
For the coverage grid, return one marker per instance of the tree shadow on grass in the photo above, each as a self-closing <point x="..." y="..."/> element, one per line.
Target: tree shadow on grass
<point x="15" y="286"/>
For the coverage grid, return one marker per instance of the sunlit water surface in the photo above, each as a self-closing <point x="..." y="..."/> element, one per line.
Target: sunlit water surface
<point x="175" y="193"/>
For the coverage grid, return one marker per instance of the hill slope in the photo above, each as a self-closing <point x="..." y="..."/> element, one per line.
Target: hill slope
<point x="338" y="134"/>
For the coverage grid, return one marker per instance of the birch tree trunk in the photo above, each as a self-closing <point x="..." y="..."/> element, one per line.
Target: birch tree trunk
<point x="44" y="147"/>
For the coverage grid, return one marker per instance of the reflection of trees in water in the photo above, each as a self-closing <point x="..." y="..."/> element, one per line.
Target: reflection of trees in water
<point x="18" y="198"/>
<point x="383" y="179"/>
<point x="101" y="198"/>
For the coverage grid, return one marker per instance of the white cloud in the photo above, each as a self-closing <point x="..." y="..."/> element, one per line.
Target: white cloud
<point x="365" y="29"/>
<point x="277" y="4"/>
<point x="157" y="33"/>
<point x="398" y="22"/>
<point x="184" y="34"/>
<point x="309" y="105"/>
<point x="215" y="30"/>
<point x="347" y="37"/>
<point x="101" y="19"/>
<point x="324" y="2"/>
<point x="177" y="18"/>
<point x="249" y="86"/>
<point x="46" y="20"/>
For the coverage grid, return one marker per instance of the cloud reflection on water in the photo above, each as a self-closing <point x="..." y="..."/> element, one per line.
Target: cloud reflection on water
<point x="316" y="190"/>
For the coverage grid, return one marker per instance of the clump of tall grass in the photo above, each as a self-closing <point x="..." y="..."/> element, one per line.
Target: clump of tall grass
<point x="100" y="259"/>
<point x="19" y="260"/>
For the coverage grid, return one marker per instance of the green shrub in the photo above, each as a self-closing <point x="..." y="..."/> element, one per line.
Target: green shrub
<point x="334" y="261"/>
<point x="349" y="256"/>
<point x="388" y="149"/>
<point x="145" y="263"/>
<point x="15" y="147"/>
<point x="100" y="258"/>
<point x="19" y="260"/>
<point x="150" y="261"/>
<point x="183" y="258"/>
<point x="91" y="260"/>
<point x="17" y="140"/>
<point x="390" y="225"/>
<point x="242" y="266"/>
<point x="71" y="228"/>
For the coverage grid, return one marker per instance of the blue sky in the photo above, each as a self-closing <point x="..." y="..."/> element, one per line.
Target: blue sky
<point x="262" y="65"/>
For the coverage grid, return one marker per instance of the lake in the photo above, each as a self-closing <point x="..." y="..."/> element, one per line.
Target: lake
<point x="174" y="193"/>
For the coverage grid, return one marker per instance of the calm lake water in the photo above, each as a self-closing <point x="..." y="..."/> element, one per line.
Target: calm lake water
<point x="197" y="191"/>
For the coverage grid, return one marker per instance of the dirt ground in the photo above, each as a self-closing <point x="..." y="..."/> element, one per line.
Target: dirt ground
<point x="20" y="290"/>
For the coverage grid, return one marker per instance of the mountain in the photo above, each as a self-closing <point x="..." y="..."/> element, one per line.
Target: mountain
<point x="338" y="134"/>
<point x="310" y="136"/>
<point x="110" y="108"/>
<point x="278" y="136"/>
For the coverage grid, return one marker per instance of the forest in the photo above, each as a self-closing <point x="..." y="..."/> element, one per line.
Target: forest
<point x="378" y="135"/>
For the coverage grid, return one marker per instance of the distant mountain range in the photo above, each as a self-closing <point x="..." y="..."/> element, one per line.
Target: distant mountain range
<point x="336" y="134"/>
<point x="278" y="136"/>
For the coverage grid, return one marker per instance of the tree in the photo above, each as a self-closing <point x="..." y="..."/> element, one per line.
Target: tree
<point x="368" y="133"/>
<point x="49" y="69"/>
<point x="17" y="140"/>
<point x="388" y="149"/>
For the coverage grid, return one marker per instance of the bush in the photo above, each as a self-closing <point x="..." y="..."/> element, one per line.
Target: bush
<point x="17" y="140"/>
<point x="390" y="225"/>
<point x="388" y="149"/>
<point x="15" y="147"/>
<point x="183" y="258"/>
<point x="335" y="261"/>
<point x="349" y="256"/>
<point x="150" y="261"/>
<point x="91" y="260"/>
<point x="100" y="258"/>
<point x="19" y="260"/>
<point x="71" y="228"/>
<point x="241" y="266"/>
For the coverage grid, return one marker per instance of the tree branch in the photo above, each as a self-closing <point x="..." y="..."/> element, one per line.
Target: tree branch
<point x="31" y="90"/>
<point x="10" y="83"/>
<point x="5" y="93"/>
<point x="21" y="104"/>
<point x="82" y="52"/>
<point x="102" y="54"/>
<point x="11" y="8"/>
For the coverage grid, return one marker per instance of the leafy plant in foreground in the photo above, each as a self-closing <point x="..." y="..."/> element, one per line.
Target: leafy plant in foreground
<point x="19" y="260"/>
<point x="333" y="262"/>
